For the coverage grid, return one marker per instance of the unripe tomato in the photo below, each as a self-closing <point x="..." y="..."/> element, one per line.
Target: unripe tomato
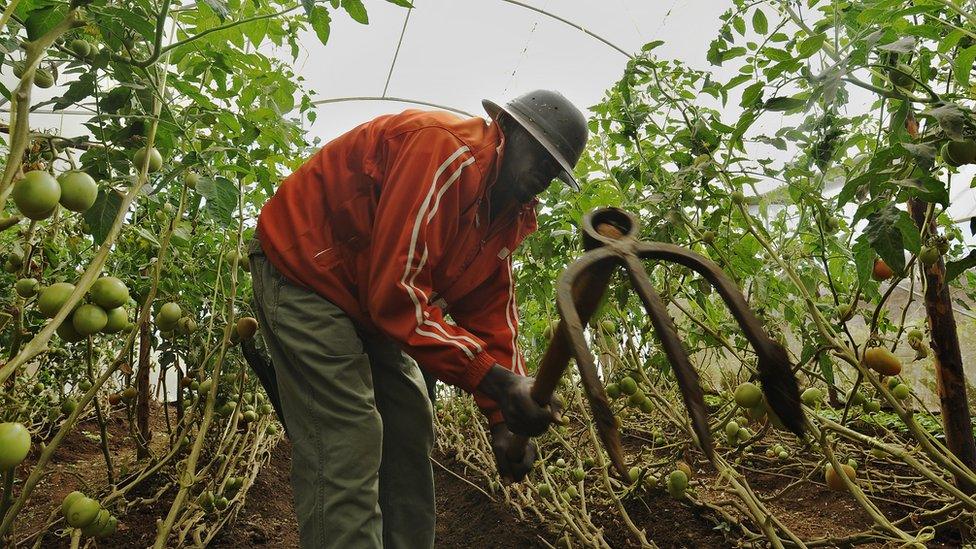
<point x="43" y="78"/>
<point x="53" y="298"/>
<point x="628" y="386"/>
<point x="82" y="512"/>
<point x="155" y="159"/>
<point x="37" y="194"/>
<point x="78" y="190"/>
<point x="901" y="391"/>
<point x="69" y="500"/>
<point x="27" y="287"/>
<point x="811" y="396"/>
<point x="68" y="406"/>
<point x="89" y="319"/>
<point x="929" y="255"/>
<point x="118" y="319"/>
<point x="68" y="333"/>
<point x="168" y="316"/>
<point x="80" y="47"/>
<point x="108" y="292"/>
<point x="677" y="483"/>
<point x="882" y="360"/>
<point x="748" y="395"/>
<point x="15" y="444"/>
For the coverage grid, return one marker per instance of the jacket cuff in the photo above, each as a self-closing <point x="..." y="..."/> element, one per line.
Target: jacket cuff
<point x="495" y="417"/>
<point x="477" y="370"/>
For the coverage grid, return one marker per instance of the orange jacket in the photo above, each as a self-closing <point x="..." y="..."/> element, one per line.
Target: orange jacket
<point x="390" y="222"/>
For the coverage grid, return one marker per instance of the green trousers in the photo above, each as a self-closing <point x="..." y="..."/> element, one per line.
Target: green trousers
<point x="359" y="418"/>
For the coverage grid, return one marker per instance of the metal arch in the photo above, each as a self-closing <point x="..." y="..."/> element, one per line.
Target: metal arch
<point x="571" y="24"/>
<point x="394" y="99"/>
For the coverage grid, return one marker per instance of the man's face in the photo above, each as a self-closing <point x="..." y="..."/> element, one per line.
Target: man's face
<point x="527" y="168"/>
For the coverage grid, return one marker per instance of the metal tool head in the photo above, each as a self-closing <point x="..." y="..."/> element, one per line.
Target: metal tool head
<point x="780" y="387"/>
<point x="610" y="236"/>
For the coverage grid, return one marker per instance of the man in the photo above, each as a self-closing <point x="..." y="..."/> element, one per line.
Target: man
<point x="359" y="256"/>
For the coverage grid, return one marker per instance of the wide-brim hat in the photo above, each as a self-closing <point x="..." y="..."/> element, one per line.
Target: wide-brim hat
<point x="553" y="121"/>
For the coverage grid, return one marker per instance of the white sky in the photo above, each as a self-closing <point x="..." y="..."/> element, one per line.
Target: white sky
<point x="456" y="56"/>
<point x="455" y="53"/>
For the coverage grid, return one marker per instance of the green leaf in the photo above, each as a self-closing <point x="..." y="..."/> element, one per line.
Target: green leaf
<point x="219" y="7"/>
<point x="759" y="22"/>
<point x="890" y="232"/>
<point x="309" y="6"/>
<point x="826" y="367"/>
<point x="356" y="10"/>
<point x="926" y="188"/>
<point x="922" y="152"/>
<point x="101" y="215"/>
<point x="751" y="95"/>
<point x="739" y="25"/>
<point x="810" y="45"/>
<point x="116" y="99"/>
<point x="902" y="45"/>
<point x="863" y="259"/>
<point x="964" y="65"/>
<point x="401" y="3"/>
<point x="784" y="103"/>
<point x="77" y="91"/>
<point x="956" y="268"/>
<point x="320" y="21"/>
<point x="44" y="19"/>
<point x="221" y="194"/>
<point x="950" y="118"/>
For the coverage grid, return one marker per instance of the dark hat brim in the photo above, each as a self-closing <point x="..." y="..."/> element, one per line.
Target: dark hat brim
<point x="566" y="174"/>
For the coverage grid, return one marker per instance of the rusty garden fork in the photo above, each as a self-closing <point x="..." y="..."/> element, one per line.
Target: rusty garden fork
<point x="610" y="238"/>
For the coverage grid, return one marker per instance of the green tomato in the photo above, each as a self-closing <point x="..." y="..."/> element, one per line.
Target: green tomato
<point x="628" y="386"/>
<point x="168" y="316"/>
<point x="69" y="500"/>
<point x="748" y="395"/>
<point x="901" y="391"/>
<point x="118" y="319"/>
<point x="82" y="512"/>
<point x="78" y="190"/>
<point x="677" y="483"/>
<point x="36" y="195"/>
<point x="155" y="159"/>
<point x="54" y="297"/>
<point x="89" y="319"/>
<point x="80" y="47"/>
<point x="109" y="292"/>
<point x="929" y="255"/>
<point x="15" y="442"/>
<point x="26" y="287"/>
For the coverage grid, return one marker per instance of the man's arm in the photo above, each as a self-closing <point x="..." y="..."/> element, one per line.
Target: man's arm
<point x="490" y="311"/>
<point x="416" y="219"/>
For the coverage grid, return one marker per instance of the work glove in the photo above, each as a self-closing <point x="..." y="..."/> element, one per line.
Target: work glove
<point x="502" y="441"/>
<point x="512" y="393"/>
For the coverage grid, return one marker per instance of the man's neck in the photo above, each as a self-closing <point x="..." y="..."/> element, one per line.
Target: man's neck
<point x="499" y="201"/>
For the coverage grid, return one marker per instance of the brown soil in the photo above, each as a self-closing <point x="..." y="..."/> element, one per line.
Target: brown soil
<point x="465" y="516"/>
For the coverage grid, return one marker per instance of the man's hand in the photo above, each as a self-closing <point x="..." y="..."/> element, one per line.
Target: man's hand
<point x="501" y="442"/>
<point x="512" y="392"/>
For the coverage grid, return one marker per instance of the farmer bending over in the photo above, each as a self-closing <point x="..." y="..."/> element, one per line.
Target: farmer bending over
<point x="358" y="257"/>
